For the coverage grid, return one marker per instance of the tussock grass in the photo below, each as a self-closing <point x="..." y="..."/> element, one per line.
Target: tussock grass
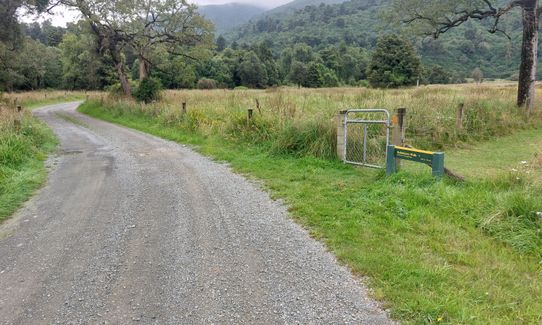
<point x="434" y="251"/>
<point x="24" y="144"/>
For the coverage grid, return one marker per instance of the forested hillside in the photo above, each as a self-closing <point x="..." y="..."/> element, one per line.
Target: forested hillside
<point x="324" y="45"/>
<point x="359" y="23"/>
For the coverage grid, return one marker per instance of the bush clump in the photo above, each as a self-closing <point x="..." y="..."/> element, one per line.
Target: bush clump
<point x="148" y="90"/>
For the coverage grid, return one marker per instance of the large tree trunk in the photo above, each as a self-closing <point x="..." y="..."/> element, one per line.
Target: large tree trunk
<point x="144" y="68"/>
<point x="529" y="55"/>
<point x="126" y="88"/>
<point x="116" y="56"/>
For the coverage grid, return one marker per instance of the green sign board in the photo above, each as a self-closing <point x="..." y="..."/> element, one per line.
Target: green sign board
<point x="434" y="159"/>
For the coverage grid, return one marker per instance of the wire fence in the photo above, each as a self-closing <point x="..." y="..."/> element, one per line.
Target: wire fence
<point x="366" y="143"/>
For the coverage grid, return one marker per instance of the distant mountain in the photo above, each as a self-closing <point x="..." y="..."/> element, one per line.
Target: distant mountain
<point x="359" y="23"/>
<point x="300" y="4"/>
<point x="354" y="22"/>
<point x="230" y="15"/>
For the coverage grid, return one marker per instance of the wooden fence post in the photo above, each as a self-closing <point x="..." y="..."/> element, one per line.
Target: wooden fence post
<point x="250" y="115"/>
<point x="18" y="118"/>
<point x="184" y="108"/>
<point x="341" y="132"/>
<point x="258" y="106"/>
<point x="398" y="131"/>
<point x="460" y="116"/>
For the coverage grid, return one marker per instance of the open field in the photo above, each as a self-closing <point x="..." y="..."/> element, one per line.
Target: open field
<point x="434" y="251"/>
<point x="490" y="111"/>
<point x="31" y="100"/>
<point x="24" y="145"/>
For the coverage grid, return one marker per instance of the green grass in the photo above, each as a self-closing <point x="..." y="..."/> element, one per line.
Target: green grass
<point x="434" y="251"/>
<point x="23" y="151"/>
<point x="497" y="157"/>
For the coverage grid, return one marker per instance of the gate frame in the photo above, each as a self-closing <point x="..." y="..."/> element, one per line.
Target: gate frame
<point x="387" y="123"/>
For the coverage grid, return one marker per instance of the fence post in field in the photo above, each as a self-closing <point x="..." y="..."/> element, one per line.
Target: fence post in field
<point x="18" y="118"/>
<point x="398" y="131"/>
<point x="341" y="133"/>
<point x="250" y="115"/>
<point x="258" y="106"/>
<point x="184" y="108"/>
<point x="460" y="116"/>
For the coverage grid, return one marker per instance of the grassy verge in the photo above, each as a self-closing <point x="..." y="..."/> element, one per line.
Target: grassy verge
<point x="24" y="145"/>
<point x="434" y="251"/>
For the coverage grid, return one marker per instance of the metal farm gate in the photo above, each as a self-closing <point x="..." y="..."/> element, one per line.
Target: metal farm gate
<point x="366" y="137"/>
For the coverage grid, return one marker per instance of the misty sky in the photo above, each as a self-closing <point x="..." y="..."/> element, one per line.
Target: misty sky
<point x="63" y="16"/>
<point x="266" y="3"/>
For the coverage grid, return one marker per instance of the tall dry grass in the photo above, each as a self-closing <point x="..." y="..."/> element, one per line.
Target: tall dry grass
<point x="303" y="121"/>
<point x="33" y="99"/>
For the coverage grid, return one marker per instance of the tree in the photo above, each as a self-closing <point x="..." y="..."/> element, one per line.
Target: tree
<point x="220" y="43"/>
<point x="13" y="43"/>
<point x="298" y="74"/>
<point x="437" y="17"/>
<point x="315" y="75"/>
<point x="173" y="25"/>
<point x="394" y="64"/>
<point x="478" y="75"/>
<point x="143" y="26"/>
<point x="252" y="72"/>
<point x="9" y="24"/>
<point x="83" y="66"/>
<point x="27" y="71"/>
<point x="106" y="20"/>
<point x="436" y="74"/>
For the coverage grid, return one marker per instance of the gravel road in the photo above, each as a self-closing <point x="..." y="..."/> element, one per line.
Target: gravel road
<point x="135" y="229"/>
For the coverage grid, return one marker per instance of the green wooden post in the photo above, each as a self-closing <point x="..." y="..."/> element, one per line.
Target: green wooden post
<point x="438" y="164"/>
<point x="391" y="162"/>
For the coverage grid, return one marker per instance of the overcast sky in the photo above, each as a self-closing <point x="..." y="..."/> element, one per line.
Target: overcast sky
<point x="63" y="16"/>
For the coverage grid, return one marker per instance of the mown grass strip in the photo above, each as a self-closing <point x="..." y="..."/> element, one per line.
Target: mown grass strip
<point x="434" y="251"/>
<point x="499" y="156"/>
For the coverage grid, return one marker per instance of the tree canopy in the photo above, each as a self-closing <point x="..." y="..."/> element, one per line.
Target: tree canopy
<point x="438" y="17"/>
<point x="394" y="64"/>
